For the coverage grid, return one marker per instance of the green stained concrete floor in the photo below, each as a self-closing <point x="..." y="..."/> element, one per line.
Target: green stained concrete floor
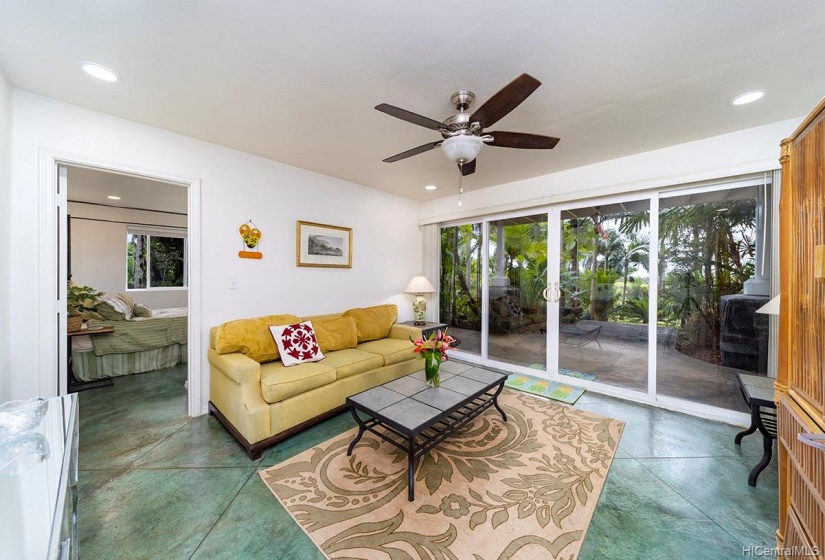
<point x="156" y="484"/>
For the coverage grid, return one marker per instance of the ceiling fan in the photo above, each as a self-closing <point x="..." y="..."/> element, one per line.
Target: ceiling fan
<point x="463" y="133"/>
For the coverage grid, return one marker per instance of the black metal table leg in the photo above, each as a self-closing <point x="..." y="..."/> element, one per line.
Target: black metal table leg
<point x="411" y="470"/>
<point x="495" y="401"/>
<point x="767" y="453"/>
<point x="767" y="446"/>
<point x="361" y="429"/>
<point x="738" y="439"/>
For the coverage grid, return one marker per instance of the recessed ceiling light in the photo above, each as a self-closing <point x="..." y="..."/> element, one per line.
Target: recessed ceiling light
<point x="100" y="72"/>
<point x="749" y="97"/>
<point x="431" y="187"/>
<point x="113" y="197"/>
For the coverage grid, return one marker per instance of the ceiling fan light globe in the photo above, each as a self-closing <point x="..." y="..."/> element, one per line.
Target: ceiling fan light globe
<point x="462" y="148"/>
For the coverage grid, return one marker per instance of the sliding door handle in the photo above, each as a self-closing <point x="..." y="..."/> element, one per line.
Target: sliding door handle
<point x="556" y="293"/>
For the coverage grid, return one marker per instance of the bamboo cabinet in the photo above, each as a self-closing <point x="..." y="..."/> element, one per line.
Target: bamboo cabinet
<point x="800" y="393"/>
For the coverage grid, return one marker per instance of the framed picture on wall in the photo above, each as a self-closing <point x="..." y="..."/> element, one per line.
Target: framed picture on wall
<point x="323" y="245"/>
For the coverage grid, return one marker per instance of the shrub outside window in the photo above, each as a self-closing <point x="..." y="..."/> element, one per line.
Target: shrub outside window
<point x="155" y="259"/>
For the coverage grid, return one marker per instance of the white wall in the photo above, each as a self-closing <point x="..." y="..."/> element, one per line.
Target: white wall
<point x="745" y="151"/>
<point x="234" y="188"/>
<point x="5" y="242"/>
<point x="99" y="250"/>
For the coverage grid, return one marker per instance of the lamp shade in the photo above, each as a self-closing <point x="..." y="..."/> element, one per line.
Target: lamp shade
<point x="770" y="308"/>
<point x="463" y="147"/>
<point x="419" y="285"/>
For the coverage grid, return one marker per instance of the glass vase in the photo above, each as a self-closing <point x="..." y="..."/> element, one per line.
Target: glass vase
<point x="432" y="361"/>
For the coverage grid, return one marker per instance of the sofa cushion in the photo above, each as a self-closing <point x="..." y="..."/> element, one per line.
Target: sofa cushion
<point x="392" y="350"/>
<point x="279" y="382"/>
<point x="374" y="322"/>
<point x="251" y="337"/>
<point x="351" y="361"/>
<point x="336" y="334"/>
<point x="296" y="343"/>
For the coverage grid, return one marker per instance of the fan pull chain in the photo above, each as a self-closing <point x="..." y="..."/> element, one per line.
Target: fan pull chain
<point x="460" y="181"/>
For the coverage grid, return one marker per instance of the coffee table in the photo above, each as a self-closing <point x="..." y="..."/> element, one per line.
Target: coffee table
<point x="414" y="417"/>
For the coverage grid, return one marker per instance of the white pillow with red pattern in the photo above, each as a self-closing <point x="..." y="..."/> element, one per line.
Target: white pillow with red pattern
<point x="297" y="343"/>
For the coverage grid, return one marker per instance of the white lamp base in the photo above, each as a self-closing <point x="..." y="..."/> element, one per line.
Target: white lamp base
<point x="419" y="309"/>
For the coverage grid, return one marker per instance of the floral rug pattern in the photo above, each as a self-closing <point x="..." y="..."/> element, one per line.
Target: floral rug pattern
<point x="521" y="489"/>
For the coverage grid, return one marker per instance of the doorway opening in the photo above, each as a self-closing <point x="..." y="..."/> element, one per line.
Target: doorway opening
<point x="124" y="238"/>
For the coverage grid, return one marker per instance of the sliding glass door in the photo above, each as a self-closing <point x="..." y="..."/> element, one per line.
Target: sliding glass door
<point x="604" y="293"/>
<point x="517" y="277"/>
<point x="651" y="297"/>
<point x="714" y="267"/>
<point x="460" y="284"/>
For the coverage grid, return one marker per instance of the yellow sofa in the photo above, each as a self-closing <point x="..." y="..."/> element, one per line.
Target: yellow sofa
<point x="261" y="402"/>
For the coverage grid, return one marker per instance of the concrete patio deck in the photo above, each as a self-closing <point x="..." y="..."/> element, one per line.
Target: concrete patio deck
<point x="618" y="356"/>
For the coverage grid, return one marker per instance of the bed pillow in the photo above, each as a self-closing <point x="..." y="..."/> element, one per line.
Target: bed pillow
<point x="297" y="343"/>
<point x="129" y="301"/>
<point x="251" y="337"/>
<point x="113" y="308"/>
<point x="373" y="322"/>
<point x="336" y="334"/>
<point x="139" y="310"/>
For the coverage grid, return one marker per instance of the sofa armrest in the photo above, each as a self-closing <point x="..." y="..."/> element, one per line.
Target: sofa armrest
<point x="404" y="332"/>
<point x="239" y="368"/>
<point x="235" y="390"/>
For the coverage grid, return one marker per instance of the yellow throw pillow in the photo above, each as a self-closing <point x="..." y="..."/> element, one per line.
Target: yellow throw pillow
<point x="251" y="337"/>
<point x="336" y="334"/>
<point x="129" y="301"/>
<point x="373" y="322"/>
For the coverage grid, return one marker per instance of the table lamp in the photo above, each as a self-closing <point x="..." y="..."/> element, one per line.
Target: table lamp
<point x="419" y="286"/>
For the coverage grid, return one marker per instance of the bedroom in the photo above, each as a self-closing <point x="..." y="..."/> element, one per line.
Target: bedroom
<point x="126" y="240"/>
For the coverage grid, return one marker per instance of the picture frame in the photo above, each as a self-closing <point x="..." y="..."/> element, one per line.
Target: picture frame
<point x="323" y="245"/>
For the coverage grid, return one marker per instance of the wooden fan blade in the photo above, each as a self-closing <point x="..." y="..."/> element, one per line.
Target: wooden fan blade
<point x="409" y="116"/>
<point x="468" y="168"/>
<point x="413" y="152"/>
<point x="521" y="140"/>
<point x="507" y="99"/>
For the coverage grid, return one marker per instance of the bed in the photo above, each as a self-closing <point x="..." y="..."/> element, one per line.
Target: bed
<point x="137" y="345"/>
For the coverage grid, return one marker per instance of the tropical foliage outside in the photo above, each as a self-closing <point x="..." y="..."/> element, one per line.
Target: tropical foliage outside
<point x="706" y="251"/>
<point x="154" y="262"/>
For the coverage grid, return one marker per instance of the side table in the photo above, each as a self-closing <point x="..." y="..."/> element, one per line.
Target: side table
<point x="73" y="384"/>
<point x="427" y="328"/>
<point x="758" y="392"/>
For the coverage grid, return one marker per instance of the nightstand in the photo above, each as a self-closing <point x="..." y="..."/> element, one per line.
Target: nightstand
<point x="427" y="328"/>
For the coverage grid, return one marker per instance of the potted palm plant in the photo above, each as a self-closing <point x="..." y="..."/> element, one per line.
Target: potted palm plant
<point x="79" y="299"/>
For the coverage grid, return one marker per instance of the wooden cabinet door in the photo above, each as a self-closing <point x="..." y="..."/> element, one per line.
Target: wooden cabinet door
<point x="801" y="377"/>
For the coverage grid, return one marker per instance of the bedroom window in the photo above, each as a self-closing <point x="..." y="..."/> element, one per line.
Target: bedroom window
<point x="155" y="258"/>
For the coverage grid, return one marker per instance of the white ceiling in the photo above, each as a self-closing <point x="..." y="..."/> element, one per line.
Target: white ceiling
<point x="296" y="82"/>
<point x="94" y="187"/>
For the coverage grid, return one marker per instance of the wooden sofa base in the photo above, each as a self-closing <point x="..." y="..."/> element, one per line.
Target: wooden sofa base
<point x="254" y="450"/>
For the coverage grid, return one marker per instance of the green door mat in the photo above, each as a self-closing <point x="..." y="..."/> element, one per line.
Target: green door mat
<point x="551" y="389"/>
<point x="567" y="372"/>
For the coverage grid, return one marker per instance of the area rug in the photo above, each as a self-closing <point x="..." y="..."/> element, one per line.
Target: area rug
<point x="562" y="392"/>
<point x="524" y="489"/>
